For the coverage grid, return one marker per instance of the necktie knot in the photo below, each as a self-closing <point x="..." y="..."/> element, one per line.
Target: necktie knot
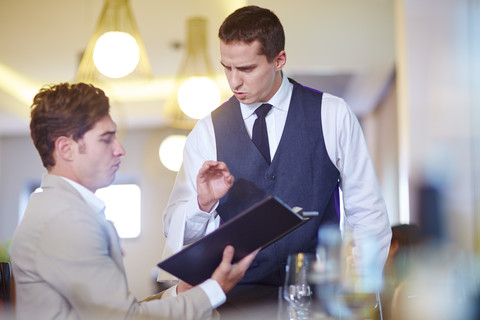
<point x="259" y="132"/>
<point x="263" y="110"/>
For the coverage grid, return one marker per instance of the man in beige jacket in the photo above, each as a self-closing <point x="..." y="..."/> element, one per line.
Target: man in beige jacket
<point x="66" y="256"/>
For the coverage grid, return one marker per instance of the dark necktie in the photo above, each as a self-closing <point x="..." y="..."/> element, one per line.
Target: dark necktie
<point x="259" y="132"/>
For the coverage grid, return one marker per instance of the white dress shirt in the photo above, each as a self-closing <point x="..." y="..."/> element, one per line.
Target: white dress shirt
<point x="364" y="210"/>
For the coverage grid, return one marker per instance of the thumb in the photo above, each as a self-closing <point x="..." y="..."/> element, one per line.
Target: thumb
<point x="228" y="254"/>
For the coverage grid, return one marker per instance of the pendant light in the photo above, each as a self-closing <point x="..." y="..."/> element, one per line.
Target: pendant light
<point x="115" y="50"/>
<point x="196" y="92"/>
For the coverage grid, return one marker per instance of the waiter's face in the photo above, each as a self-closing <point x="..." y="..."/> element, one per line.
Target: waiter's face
<point x="250" y="76"/>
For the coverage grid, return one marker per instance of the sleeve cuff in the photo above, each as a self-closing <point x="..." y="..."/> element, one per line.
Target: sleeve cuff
<point x="214" y="292"/>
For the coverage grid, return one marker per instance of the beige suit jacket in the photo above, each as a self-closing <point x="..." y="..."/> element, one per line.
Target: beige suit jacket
<point x="68" y="264"/>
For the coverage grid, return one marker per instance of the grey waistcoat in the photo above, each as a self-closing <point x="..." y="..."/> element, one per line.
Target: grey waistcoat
<point x="301" y="174"/>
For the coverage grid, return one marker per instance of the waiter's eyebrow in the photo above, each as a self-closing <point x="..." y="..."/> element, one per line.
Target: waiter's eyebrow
<point x="245" y="67"/>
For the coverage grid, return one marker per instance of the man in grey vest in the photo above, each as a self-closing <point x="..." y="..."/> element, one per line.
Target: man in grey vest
<point x="315" y="146"/>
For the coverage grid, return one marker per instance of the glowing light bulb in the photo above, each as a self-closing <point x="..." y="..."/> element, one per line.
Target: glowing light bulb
<point x="171" y="152"/>
<point x="198" y="96"/>
<point x="116" y="54"/>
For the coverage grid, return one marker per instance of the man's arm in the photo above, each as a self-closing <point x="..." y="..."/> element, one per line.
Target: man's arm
<point x="365" y="209"/>
<point x="183" y="217"/>
<point x="81" y="268"/>
<point x="75" y="258"/>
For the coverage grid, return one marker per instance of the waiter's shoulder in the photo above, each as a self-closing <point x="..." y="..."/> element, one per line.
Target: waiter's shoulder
<point x="334" y="106"/>
<point x="328" y="97"/>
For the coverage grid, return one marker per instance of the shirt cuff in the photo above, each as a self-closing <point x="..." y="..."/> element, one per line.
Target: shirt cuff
<point x="214" y="292"/>
<point x="194" y="212"/>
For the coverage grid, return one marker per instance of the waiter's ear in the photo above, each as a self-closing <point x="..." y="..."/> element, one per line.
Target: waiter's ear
<point x="280" y="60"/>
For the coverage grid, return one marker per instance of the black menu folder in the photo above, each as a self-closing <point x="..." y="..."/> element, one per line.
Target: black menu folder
<point x="258" y="226"/>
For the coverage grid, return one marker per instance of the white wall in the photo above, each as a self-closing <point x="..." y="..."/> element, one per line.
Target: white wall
<point x="20" y="165"/>
<point x="435" y="106"/>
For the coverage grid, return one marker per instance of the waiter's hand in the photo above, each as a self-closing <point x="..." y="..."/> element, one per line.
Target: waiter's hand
<point x="227" y="274"/>
<point x="213" y="182"/>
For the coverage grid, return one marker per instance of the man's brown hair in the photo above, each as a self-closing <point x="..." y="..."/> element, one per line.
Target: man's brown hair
<point x="67" y="110"/>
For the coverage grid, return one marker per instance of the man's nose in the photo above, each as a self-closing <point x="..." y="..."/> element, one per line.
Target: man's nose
<point x="236" y="80"/>
<point x="118" y="150"/>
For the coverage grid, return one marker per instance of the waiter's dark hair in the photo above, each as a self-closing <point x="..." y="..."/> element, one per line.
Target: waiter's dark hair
<point x="252" y="23"/>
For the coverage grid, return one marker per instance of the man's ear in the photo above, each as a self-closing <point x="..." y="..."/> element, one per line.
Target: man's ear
<point x="65" y="148"/>
<point x="280" y="60"/>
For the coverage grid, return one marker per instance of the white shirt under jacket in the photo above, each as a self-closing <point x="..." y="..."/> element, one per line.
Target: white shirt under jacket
<point x="364" y="210"/>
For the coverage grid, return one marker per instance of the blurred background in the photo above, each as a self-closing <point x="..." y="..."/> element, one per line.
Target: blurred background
<point x="410" y="69"/>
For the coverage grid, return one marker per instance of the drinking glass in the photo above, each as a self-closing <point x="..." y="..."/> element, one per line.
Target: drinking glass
<point x="297" y="290"/>
<point x="326" y="273"/>
<point x="344" y="276"/>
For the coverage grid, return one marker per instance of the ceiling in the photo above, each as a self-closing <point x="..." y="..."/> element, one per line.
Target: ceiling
<point x="345" y="47"/>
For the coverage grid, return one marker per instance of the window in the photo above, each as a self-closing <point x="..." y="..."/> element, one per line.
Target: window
<point x="29" y="188"/>
<point x="122" y="201"/>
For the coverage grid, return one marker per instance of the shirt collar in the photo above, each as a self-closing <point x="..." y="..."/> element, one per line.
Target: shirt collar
<point x="279" y="100"/>
<point x="92" y="200"/>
